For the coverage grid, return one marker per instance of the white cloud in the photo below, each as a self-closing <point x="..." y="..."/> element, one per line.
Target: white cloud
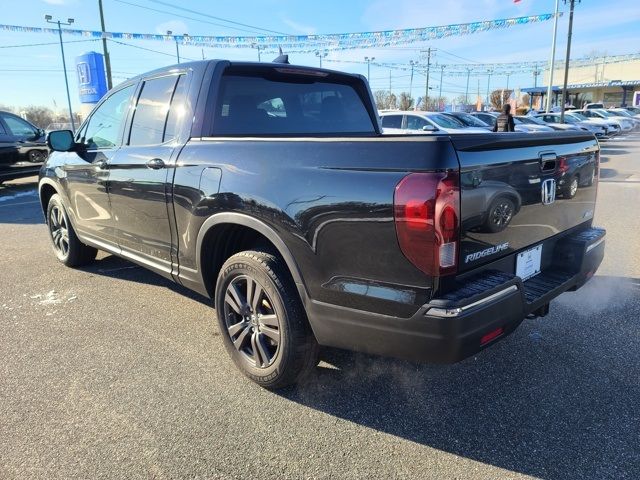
<point x="178" y="27"/>
<point x="298" y="27"/>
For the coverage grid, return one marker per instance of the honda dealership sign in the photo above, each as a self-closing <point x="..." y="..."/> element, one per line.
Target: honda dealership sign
<point x="92" y="83"/>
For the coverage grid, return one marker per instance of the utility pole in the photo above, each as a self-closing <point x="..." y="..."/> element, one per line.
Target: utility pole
<point x="488" y="82"/>
<point x="426" y="88"/>
<point x="321" y="55"/>
<point x="440" y="90"/>
<point x="536" y="72"/>
<point x="553" y="57"/>
<point x="413" y="64"/>
<point x="369" y="60"/>
<point x="572" y="4"/>
<point x="466" y="92"/>
<point x="49" y="19"/>
<point x="107" y="58"/>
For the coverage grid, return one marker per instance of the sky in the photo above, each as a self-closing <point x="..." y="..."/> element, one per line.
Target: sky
<point x="33" y="75"/>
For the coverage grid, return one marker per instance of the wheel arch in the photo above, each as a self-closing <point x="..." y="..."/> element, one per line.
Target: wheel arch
<point x="227" y="233"/>
<point x="46" y="190"/>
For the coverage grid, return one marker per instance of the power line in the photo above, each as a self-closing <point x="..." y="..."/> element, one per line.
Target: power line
<point x="166" y="4"/>
<point x="47" y="43"/>
<point x="146" y="49"/>
<point x="458" y="56"/>
<point x="186" y="17"/>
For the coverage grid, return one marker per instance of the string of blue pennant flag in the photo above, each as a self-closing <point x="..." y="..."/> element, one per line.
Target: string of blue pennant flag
<point x="305" y="43"/>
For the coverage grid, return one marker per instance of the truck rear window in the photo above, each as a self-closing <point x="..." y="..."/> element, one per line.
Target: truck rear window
<point x="257" y="105"/>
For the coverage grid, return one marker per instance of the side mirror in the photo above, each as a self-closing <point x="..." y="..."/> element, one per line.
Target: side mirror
<point x="476" y="182"/>
<point x="61" y="141"/>
<point x="429" y="128"/>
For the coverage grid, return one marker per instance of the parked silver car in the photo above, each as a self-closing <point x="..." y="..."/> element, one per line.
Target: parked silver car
<point x="553" y="120"/>
<point x="613" y="127"/>
<point x="411" y="122"/>
<point x="626" y="125"/>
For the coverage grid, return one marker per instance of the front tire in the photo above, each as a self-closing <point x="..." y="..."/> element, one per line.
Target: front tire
<point x="36" y="156"/>
<point x="66" y="245"/>
<point x="262" y="321"/>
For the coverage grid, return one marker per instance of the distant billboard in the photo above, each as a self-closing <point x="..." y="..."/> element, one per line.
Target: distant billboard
<point x="92" y="82"/>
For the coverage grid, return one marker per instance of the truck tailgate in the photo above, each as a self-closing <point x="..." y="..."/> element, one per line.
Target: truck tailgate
<point x="519" y="189"/>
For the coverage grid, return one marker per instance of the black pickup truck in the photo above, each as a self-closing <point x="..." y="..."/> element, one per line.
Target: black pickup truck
<point x="270" y="189"/>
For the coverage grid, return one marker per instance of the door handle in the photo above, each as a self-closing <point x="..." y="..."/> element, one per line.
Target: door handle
<point x="155" y="164"/>
<point x="101" y="164"/>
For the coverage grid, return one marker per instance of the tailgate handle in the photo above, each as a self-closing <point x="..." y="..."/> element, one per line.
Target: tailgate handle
<point x="548" y="162"/>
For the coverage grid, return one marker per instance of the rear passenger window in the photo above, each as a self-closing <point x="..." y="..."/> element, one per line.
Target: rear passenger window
<point x="151" y="112"/>
<point x="392" y="121"/>
<point x="177" y="110"/>
<point x="286" y="105"/>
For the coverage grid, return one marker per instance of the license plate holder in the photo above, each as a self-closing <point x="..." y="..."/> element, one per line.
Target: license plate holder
<point x="528" y="263"/>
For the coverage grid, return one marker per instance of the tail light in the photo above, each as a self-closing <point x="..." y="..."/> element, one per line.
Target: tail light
<point x="427" y="218"/>
<point x="563" y="165"/>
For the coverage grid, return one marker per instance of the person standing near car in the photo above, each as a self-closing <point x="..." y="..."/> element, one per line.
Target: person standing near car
<point x="504" y="122"/>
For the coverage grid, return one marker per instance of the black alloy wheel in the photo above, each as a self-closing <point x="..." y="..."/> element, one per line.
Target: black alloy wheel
<point x="501" y="212"/>
<point x="66" y="245"/>
<point x="59" y="231"/>
<point x="252" y="321"/>
<point x="262" y="321"/>
<point x="37" y="156"/>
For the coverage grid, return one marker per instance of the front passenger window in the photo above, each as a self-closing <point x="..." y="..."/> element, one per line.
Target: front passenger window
<point x="105" y="125"/>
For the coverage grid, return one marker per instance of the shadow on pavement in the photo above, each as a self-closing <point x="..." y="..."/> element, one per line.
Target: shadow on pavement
<point x="116" y="267"/>
<point x="19" y="203"/>
<point x="608" y="173"/>
<point x="610" y="151"/>
<point x="558" y="399"/>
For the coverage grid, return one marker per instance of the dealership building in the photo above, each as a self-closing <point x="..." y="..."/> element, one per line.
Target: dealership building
<point x="613" y="84"/>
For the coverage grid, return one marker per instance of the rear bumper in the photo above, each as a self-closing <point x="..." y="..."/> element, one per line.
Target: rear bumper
<point x="480" y="311"/>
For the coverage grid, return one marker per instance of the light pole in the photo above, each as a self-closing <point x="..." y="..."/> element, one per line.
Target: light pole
<point x="369" y="60"/>
<point x="185" y="36"/>
<point x="553" y="58"/>
<point x="49" y="19"/>
<point x="321" y="55"/>
<point x="566" y="62"/>
<point x="257" y="47"/>
<point x="488" y="82"/>
<point x="413" y="64"/>
<point x="466" y="92"/>
<point x="107" y="58"/>
<point x="440" y="90"/>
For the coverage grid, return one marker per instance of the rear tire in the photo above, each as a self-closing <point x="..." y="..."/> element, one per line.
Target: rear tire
<point x="262" y="321"/>
<point x="66" y="245"/>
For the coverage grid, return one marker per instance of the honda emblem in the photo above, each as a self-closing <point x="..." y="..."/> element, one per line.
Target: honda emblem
<point x="548" y="191"/>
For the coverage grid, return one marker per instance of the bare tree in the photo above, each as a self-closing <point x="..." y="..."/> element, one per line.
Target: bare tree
<point x="499" y="97"/>
<point x="385" y="100"/>
<point x="405" y="101"/>
<point x="40" y="116"/>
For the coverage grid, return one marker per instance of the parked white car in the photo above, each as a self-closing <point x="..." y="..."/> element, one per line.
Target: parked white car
<point x="412" y="122"/>
<point x="613" y="127"/>
<point x="553" y="120"/>
<point x="626" y="125"/>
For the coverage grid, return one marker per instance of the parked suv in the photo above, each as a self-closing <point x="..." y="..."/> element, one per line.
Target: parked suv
<point x="22" y="147"/>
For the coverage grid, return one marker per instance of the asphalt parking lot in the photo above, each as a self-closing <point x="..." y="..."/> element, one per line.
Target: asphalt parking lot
<point x="113" y="372"/>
